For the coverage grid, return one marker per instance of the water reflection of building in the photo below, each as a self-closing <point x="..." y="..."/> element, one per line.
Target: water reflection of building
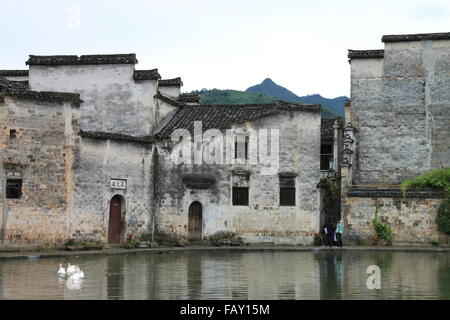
<point x="231" y="275"/>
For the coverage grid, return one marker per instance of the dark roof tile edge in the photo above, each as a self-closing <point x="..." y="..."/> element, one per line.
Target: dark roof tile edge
<point x="82" y="60"/>
<point x="416" y="37"/>
<point x="365" y="54"/>
<point x="43" y="95"/>
<point x="190" y="98"/>
<point x="292" y="106"/>
<point x="175" y="82"/>
<point x="169" y="100"/>
<point x="115" y="136"/>
<point x="146" y="74"/>
<point x="14" y="73"/>
<point x="396" y="193"/>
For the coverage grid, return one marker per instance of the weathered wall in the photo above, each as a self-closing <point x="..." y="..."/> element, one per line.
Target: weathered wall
<point x="163" y="111"/>
<point x="41" y="155"/>
<point x="400" y="108"/>
<point x="413" y="220"/>
<point x="112" y="100"/>
<point x="96" y="164"/>
<point x="171" y="91"/>
<point x="264" y="219"/>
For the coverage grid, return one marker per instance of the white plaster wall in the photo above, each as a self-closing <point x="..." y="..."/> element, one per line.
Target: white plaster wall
<point x="97" y="163"/>
<point x="171" y="91"/>
<point x="399" y="107"/>
<point x="112" y="100"/>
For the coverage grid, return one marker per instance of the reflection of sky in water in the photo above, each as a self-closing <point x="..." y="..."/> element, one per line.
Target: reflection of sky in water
<point x="222" y="275"/>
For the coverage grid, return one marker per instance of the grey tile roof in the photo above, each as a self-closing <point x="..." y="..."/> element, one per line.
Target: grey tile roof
<point x="416" y="37"/>
<point x="81" y="60"/>
<point x="146" y="74"/>
<point x="14" y="73"/>
<point x="20" y="89"/>
<point x="169" y="100"/>
<point x="365" y="54"/>
<point x="223" y="116"/>
<point x="116" y="136"/>
<point x="7" y="85"/>
<point x="190" y="98"/>
<point x="176" y="82"/>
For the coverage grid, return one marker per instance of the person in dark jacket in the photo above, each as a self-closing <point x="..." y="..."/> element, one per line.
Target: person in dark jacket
<point x="330" y="234"/>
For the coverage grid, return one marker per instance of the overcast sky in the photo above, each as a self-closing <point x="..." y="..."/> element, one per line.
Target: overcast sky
<point x="301" y="45"/>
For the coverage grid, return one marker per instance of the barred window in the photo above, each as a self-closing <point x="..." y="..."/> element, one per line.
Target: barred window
<point x="287" y="191"/>
<point x="13" y="189"/>
<point x="240" y="196"/>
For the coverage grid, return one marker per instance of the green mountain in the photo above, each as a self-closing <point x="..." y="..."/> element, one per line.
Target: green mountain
<point x="216" y="96"/>
<point x="268" y="92"/>
<point x="270" y="88"/>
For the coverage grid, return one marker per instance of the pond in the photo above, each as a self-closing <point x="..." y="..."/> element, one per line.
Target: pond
<point x="233" y="275"/>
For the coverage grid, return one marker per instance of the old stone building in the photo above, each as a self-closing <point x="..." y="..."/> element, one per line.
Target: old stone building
<point x="397" y="127"/>
<point x="87" y="151"/>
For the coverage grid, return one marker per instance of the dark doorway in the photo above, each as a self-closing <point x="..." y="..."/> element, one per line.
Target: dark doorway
<point x="115" y="220"/>
<point x="195" y="222"/>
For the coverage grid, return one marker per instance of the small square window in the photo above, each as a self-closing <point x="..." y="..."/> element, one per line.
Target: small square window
<point x="240" y="196"/>
<point x="12" y="134"/>
<point x="13" y="189"/>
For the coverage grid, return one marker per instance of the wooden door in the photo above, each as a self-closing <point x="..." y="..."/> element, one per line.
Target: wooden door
<point x="195" y="222"/>
<point x="115" y="220"/>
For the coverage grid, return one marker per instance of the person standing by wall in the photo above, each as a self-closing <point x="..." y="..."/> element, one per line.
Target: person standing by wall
<point x="339" y="232"/>
<point x="330" y="234"/>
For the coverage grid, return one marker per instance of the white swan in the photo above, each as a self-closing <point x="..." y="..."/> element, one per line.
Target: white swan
<point x="61" y="270"/>
<point x="74" y="284"/>
<point x="71" y="269"/>
<point x="78" y="274"/>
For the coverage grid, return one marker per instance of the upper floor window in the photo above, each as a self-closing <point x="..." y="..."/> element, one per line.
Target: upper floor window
<point x="326" y="157"/>
<point x="12" y="134"/>
<point x="238" y="147"/>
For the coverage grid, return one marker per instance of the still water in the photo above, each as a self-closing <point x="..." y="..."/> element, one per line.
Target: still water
<point x="232" y="275"/>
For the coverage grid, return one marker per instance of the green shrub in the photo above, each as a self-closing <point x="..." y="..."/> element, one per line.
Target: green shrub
<point x="318" y="240"/>
<point x="362" y="242"/>
<point x="383" y="231"/>
<point x="223" y="238"/>
<point x="130" y="242"/>
<point x="167" y="239"/>
<point x="439" y="178"/>
<point x="435" y="243"/>
<point x="93" y="244"/>
<point x="443" y="216"/>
